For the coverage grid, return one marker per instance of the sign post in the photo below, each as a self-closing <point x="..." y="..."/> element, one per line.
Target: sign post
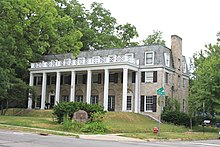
<point x="161" y="93"/>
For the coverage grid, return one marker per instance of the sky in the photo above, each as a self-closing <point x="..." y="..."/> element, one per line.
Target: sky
<point x="195" y="21"/>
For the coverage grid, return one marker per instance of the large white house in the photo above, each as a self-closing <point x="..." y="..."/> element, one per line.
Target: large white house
<point x="123" y="79"/>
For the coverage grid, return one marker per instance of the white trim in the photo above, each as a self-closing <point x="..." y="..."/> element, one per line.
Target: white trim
<point x="152" y="57"/>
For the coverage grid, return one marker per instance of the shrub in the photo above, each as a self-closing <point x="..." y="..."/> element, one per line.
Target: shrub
<point x="94" y="127"/>
<point x="68" y="108"/>
<point x="176" y="117"/>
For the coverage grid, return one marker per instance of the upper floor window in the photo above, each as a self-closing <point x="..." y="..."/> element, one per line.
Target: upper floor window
<point x="184" y="67"/>
<point x="38" y="80"/>
<point x="65" y="79"/>
<point x="179" y="63"/>
<point x="96" y="78"/>
<point x="184" y="82"/>
<point x="149" y="58"/>
<point x="149" y="77"/>
<point x="167" y="77"/>
<point x="179" y="81"/>
<point x="167" y="59"/>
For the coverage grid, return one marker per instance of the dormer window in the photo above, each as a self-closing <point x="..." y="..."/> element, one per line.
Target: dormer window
<point x="149" y="58"/>
<point x="167" y="59"/>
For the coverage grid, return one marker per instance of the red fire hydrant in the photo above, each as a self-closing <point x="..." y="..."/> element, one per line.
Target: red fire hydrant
<point x="155" y="130"/>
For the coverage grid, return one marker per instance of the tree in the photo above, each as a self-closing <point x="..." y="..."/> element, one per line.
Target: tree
<point x="28" y="30"/>
<point x="155" y="38"/>
<point x="206" y="81"/>
<point x="99" y="28"/>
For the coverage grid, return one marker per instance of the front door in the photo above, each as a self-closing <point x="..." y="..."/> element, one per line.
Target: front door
<point x="52" y="101"/>
<point x="111" y="103"/>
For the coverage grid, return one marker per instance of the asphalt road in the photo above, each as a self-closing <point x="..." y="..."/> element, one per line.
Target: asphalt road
<point x="20" y="139"/>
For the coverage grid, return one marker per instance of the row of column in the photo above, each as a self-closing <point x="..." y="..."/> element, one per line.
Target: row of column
<point x="88" y="92"/>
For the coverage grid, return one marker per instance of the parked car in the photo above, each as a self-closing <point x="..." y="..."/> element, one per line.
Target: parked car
<point x="217" y="125"/>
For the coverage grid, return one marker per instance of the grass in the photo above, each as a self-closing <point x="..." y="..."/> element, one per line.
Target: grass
<point x="121" y="122"/>
<point x="130" y="124"/>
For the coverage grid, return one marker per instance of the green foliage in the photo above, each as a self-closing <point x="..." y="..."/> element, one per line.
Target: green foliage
<point x="95" y="127"/>
<point x="176" y="117"/>
<point x="171" y="105"/>
<point x="68" y="108"/>
<point x="99" y="28"/>
<point x="155" y="38"/>
<point x="205" y="83"/>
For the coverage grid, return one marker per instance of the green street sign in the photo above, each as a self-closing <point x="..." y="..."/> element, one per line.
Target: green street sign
<point x="161" y="91"/>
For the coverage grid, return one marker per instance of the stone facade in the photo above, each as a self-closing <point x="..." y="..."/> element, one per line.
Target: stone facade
<point x="123" y="79"/>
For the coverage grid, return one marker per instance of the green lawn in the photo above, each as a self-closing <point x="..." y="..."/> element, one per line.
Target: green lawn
<point x="129" y="124"/>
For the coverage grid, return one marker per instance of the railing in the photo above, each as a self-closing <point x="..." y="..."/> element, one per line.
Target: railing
<point x="86" y="61"/>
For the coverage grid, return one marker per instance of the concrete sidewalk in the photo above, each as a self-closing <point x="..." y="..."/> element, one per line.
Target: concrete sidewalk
<point x="104" y="137"/>
<point x="110" y="137"/>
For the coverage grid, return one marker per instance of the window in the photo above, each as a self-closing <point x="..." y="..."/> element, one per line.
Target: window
<point x="38" y="101"/>
<point x="129" y="102"/>
<point x="184" y="67"/>
<point x="81" y="78"/>
<point x="179" y="82"/>
<point x="149" y="103"/>
<point x="166" y="77"/>
<point x="149" y="57"/>
<point x="65" y="98"/>
<point x="113" y="78"/>
<point x="111" y="103"/>
<point x="53" y="80"/>
<point x="167" y="59"/>
<point x="178" y="64"/>
<point x="184" y="110"/>
<point x="96" y="78"/>
<point x="38" y="80"/>
<point x="79" y="98"/>
<point x="66" y="79"/>
<point x="184" y="82"/>
<point x="94" y="99"/>
<point x="151" y="77"/>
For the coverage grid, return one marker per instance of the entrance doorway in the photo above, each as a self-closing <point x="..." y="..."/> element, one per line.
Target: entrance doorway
<point x="52" y="101"/>
<point x="111" y="103"/>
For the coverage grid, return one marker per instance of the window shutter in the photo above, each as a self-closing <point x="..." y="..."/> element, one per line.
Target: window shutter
<point x="84" y="78"/>
<point x="35" y="80"/>
<point x="154" y="103"/>
<point x="69" y="79"/>
<point x="142" y="104"/>
<point x="61" y="80"/>
<point x="133" y="77"/>
<point x="76" y="81"/>
<point x="143" y="77"/>
<point x="116" y="78"/>
<point x="155" y="76"/>
<point x="122" y="77"/>
<point x="48" y="80"/>
<point x="99" y="78"/>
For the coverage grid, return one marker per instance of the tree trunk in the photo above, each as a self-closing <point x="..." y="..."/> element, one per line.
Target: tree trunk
<point x="6" y="107"/>
<point x="2" y="109"/>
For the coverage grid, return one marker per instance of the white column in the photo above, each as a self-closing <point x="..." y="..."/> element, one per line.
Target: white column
<point x="72" y="90"/>
<point x="136" y="92"/>
<point x="124" y="97"/>
<point x="43" y="91"/>
<point x="57" y="97"/>
<point x="106" y="82"/>
<point x="88" y="91"/>
<point x="31" y="81"/>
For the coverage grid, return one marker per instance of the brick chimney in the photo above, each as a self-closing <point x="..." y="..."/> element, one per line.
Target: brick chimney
<point x="176" y="48"/>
